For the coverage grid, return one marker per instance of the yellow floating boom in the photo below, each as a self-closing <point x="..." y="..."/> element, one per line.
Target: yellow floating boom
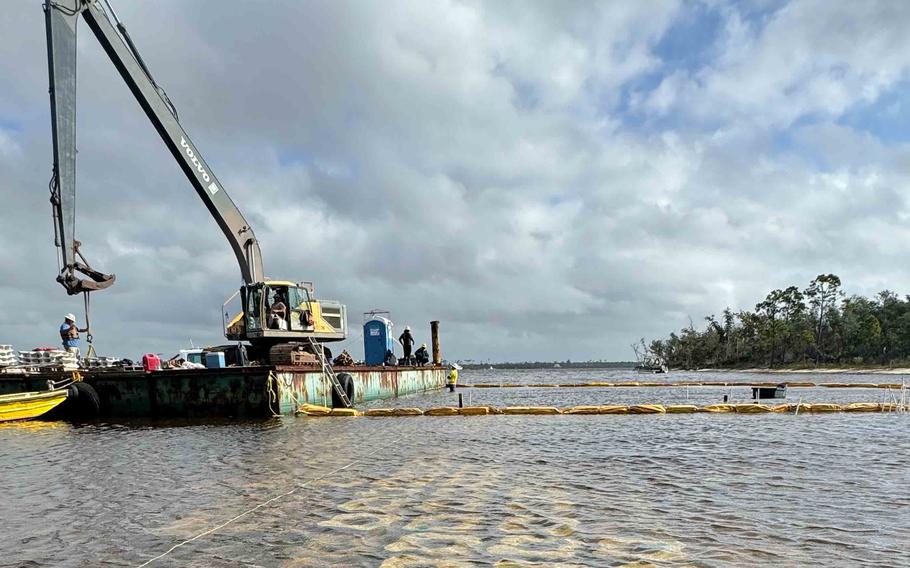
<point x="725" y="408"/>
<point x="800" y="384"/>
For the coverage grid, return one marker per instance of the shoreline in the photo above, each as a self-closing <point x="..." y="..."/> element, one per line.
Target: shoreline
<point x="822" y="371"/>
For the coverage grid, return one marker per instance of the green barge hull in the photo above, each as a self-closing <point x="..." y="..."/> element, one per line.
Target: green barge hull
<point x="232" y="392"/>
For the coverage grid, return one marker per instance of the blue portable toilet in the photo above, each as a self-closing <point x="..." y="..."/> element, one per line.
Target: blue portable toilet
<point x="377" y="339"/>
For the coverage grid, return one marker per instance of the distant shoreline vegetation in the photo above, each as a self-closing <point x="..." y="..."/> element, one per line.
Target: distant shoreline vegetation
<point x="793" y="328"/>
<point x="552" y="364"/>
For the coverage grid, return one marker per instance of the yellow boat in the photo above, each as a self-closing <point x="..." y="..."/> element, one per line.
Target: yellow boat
<point x="28" y="405"/>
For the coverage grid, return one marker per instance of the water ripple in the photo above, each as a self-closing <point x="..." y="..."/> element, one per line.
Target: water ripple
<point x="683" y="490"/>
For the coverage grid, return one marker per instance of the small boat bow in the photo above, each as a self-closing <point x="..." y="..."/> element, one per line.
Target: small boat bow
<point x="29" y="405"/>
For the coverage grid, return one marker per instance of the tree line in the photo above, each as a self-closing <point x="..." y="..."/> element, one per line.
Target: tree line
<point x="817" y="325"/>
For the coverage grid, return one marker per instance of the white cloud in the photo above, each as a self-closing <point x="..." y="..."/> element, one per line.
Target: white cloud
<point x="9" y="148"/>
<point x="468" y="162"/>
<point x="808" y="57"/>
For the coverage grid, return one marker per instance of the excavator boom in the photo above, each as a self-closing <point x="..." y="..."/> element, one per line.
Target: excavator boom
<point x="61" y="17"/>
<point x="302" y="316"/>
<point x="61" y="59"/>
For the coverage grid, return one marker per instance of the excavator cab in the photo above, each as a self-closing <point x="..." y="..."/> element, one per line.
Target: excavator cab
<point x="281" y="307"/>
<point x="281" y="311"/>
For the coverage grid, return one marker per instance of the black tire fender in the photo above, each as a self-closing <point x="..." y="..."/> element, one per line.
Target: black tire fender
<point x="347" y="385"/>
<point x="83" y="402"/>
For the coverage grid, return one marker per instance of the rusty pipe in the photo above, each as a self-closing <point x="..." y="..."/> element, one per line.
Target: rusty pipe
<point x="434" y="339"/>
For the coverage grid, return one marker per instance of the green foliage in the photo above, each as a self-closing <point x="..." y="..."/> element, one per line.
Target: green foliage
<point x="792" y="327"/>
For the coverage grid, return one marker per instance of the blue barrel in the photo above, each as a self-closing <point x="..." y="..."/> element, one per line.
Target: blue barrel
<point x="377" y="339"/>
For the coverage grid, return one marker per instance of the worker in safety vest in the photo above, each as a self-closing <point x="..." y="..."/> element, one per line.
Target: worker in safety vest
<point x="453" y="378"/>
<point x="69" y="333"/>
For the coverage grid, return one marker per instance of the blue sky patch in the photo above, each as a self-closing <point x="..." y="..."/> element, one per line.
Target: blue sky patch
<point x="10" y="124"/>
<point x="887" y="118"/>
<point x="688" y="44"/>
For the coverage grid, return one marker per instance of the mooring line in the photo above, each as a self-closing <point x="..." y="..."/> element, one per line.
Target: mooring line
<point x="266" y="503"/>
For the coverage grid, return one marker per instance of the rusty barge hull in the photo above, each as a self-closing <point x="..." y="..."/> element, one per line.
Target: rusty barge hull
<point x="242" y="392"/>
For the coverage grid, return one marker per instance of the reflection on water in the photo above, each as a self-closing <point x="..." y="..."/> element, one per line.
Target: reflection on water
<point x="679" y="490"/>
<point x="36" y="426"/>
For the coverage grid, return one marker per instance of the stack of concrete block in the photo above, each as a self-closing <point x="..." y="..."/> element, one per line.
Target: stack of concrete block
<point x="49" y="358"/>
<point x="102" y="362"/>
<point x="34" y="358"/>
<point x="68" y="360"/>
<point x="8" y="356"/>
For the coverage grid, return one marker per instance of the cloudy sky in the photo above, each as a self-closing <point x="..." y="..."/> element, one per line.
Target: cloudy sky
<point x="549" y="179"/>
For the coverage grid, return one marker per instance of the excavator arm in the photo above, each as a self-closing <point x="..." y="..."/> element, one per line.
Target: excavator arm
<point x="61" y="17"/>
<point x="61" y="54"/>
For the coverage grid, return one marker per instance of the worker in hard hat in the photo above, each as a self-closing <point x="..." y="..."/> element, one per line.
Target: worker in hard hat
<point x="69" y="333"/>
<point x="422" y="356"/>
<point x="407" y="343"/>
<point x="452" y="379"/>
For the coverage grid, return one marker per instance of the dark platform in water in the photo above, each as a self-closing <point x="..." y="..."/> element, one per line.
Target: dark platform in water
<point x="233" y="391"/>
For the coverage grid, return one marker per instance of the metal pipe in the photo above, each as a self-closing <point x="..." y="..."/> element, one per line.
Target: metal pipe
<point x="434" y="339"/>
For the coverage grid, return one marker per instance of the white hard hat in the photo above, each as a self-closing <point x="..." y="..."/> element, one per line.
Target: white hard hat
<point x="407" y="328"/>
<point x="70" y="317"/>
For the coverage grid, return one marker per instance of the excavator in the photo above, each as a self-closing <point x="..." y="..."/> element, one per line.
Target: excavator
<point x="278" y="318"/>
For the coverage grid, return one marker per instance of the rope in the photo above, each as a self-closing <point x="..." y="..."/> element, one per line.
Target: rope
<point x="90" y="352"/>
<point x="264" y="504"/>
<point x="273" y="396"/>
<point x="88" y="325"/>
<point x="282" y="390"/>
<point x="65" y="382"/>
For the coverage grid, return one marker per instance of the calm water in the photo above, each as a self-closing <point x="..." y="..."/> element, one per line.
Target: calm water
<point x="680" y="490"/>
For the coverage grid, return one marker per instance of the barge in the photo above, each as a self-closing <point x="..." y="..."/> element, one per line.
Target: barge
<point x="235" y="392"/>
